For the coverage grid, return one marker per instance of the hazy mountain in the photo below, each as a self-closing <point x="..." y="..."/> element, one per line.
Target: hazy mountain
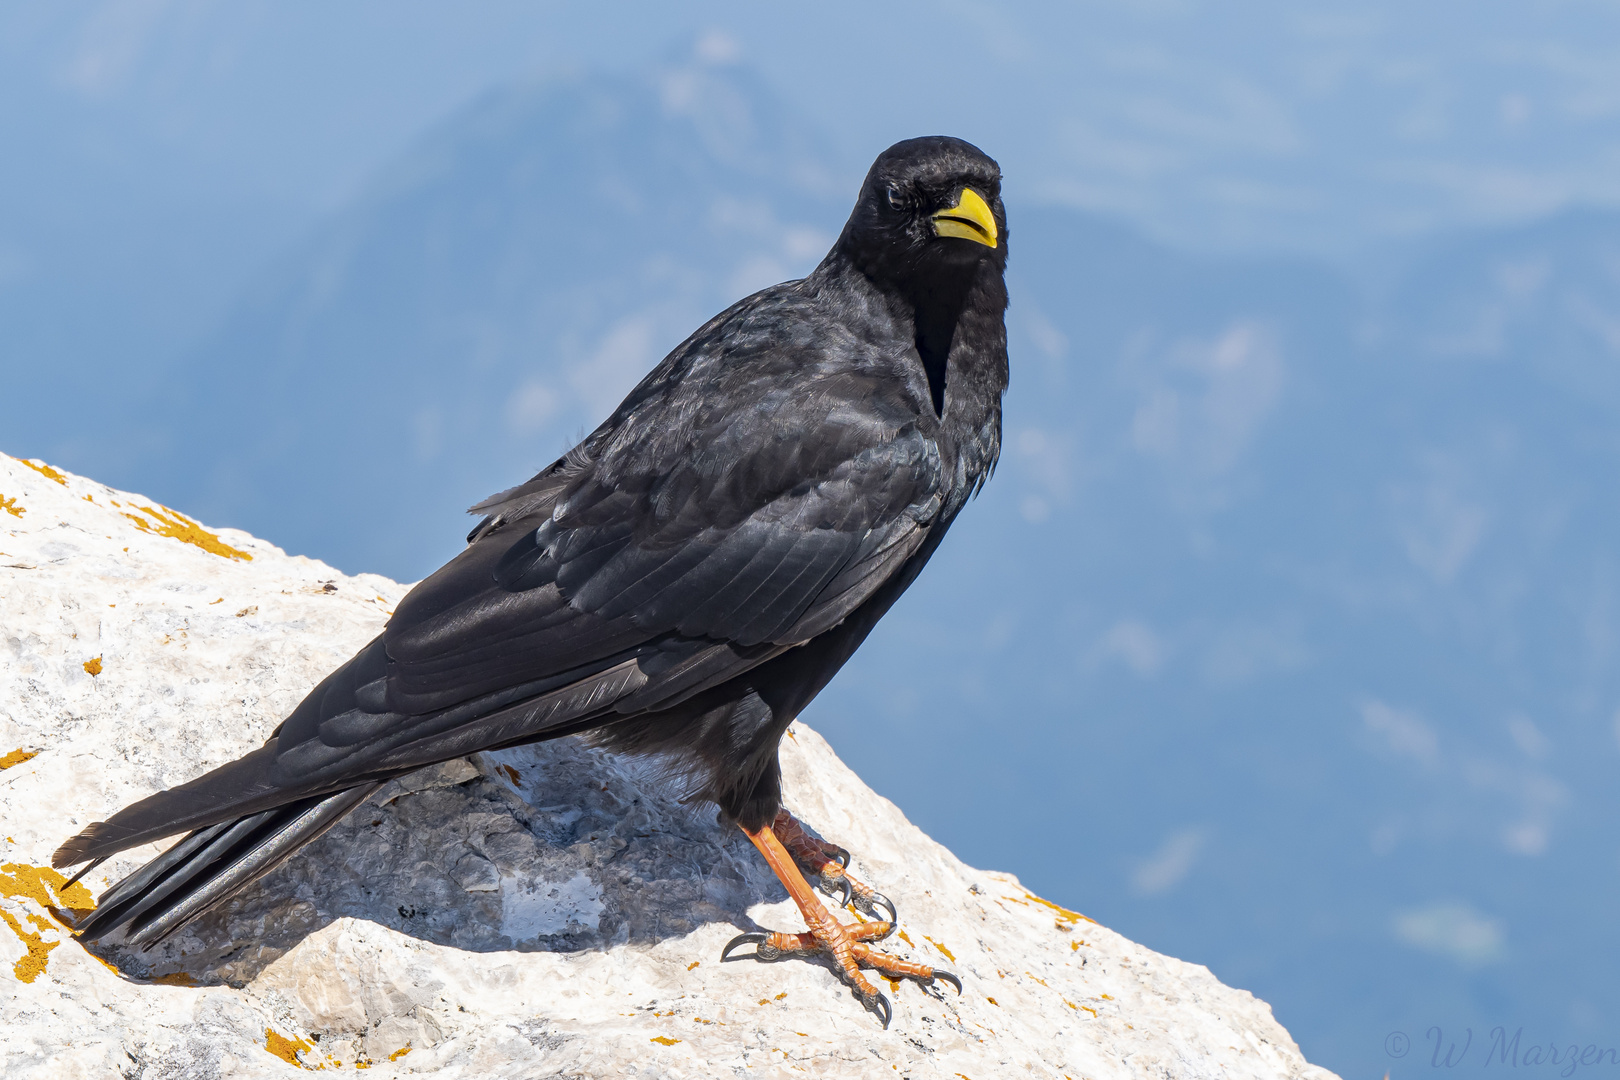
<point x="1287" y="629"/>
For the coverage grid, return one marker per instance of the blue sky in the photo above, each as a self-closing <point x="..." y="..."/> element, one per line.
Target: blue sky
<point x="1294" y="598"/>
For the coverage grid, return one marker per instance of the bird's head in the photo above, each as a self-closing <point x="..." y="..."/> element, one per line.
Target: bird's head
<point x="930" y="210"/>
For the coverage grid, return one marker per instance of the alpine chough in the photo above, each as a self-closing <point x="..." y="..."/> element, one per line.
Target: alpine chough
<point x="683" y="582"/>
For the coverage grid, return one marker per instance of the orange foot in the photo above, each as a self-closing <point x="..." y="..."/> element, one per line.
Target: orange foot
<point x="785" y="845"/>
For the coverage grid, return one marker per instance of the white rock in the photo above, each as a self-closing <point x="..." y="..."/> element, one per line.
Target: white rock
<point x="546" y="911"/>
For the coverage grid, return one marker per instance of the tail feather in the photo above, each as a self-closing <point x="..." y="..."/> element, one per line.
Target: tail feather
<point x="117" y="901"/>
<point x="211" y="865"/>
<point x="197" y="870"/>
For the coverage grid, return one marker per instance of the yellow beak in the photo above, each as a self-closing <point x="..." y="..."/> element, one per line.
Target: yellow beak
<point x="969" y="219"/>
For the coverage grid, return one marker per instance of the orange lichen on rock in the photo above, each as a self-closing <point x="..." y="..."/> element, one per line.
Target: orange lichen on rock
<point x="45" y="470"/>
<point x="10" y="506"/>
<point x="947" y="953"/>
<point x="17" y="757"/>
<point x="38" y="883"/>
<point x="32" y="963"/>
<point x="93" y="665"/>
<point x="284" y="1048"/>
<point x="663" y="1040"/>
<point x="175" y="524"/>
<point x="1064" y="914"/>
<point x="397" y="1054"/>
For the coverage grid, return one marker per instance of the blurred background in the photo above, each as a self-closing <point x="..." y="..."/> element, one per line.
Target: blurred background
<point x="1287" y="638"/>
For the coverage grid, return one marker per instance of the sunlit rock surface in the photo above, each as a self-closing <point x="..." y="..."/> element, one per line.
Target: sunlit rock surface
<point x="546" y="911"/>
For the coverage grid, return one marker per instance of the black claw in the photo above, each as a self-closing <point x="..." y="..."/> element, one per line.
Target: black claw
<point x="880" y="1005"/>
<point x="841" y="856"/>
<point x="831" y="886"/>
<point x="755" y="939"/>
<point x="871" y="902"/>
<point x="946" y="976"/>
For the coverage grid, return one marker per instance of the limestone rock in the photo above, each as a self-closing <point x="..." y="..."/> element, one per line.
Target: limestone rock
<point x="544" y="911"/>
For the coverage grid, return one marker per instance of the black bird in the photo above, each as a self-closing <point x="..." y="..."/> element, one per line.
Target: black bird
<point x="683" y="582"/>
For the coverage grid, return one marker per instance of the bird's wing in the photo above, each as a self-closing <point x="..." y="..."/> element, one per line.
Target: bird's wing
<point x="751" y="493"/>
<point x="637" y="590"/>
<point x="682" y="555"/>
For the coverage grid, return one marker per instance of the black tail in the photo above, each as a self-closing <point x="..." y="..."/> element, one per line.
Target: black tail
<point x="212" y="865"/>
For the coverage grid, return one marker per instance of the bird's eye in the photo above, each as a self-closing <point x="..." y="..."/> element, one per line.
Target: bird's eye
<point x="897" y="199"/>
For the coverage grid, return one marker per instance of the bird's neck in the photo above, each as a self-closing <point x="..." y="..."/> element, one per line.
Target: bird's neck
<point x="936" y="308"/>
<point x="934" y="303"/>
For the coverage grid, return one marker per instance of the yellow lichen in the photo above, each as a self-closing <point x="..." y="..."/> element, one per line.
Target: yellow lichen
<point x="284" y="1048"/>
<point x="93" y="665"/>
<point x="1064" y="913"/>
<point x="45" y="470"/>
<point x="947" y="953"/>
<point x="693" y="964"/>
<point x="32" y="963"/>
<point x="175" y="524"/>
<point x="663" y="1040"/>
<point x="10" y="506"/>
<point x="17" y="757"/>
<point x="397" y="1054"/>
<point x="38" y="883"/>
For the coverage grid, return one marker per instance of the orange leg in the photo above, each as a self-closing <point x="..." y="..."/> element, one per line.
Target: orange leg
<point x="846" y="944"/>
<point x="829" y="864"/>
